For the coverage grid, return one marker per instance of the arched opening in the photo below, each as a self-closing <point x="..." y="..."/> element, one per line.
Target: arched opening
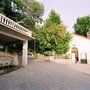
<point x="75" y="51"/>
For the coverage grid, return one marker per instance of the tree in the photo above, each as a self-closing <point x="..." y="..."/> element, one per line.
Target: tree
<point x="12" y="9"/>
<point x="53" y="18"/>
<point x="34" y="11"/>
<point x="53" y="36"/>
<point x="82" y="25"/>
<point x="25" y="12"/>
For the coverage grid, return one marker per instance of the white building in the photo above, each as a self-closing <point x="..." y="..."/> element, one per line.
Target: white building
<point x="80" y="49"/>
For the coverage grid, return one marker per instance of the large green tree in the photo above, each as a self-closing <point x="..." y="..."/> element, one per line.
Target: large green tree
<point x="82" y="25"/>
<point x="53" y="36"/>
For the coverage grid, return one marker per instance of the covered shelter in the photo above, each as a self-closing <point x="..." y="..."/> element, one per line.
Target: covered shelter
<point x="12" y="32"/>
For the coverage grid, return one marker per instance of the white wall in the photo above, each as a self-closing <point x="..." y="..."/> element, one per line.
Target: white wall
<point x="83" y="46"/>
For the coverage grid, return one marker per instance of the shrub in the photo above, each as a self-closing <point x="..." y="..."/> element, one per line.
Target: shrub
<point x="47" y="53"/>
<point x="66" y="56"/>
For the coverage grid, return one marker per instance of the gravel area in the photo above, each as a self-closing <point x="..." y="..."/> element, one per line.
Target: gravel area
<point x="45" y="76"/>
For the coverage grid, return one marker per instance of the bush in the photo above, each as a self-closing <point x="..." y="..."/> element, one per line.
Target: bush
<point x="47" y="53"/>
<point x="66" y="56"/>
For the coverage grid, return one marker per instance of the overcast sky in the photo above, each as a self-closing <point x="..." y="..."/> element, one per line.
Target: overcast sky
<point x="69" y="10"/>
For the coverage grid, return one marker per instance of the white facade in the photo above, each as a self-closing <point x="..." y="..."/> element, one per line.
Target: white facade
<point x="83" y="46"/>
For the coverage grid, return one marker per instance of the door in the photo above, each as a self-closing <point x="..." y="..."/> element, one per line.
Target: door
<point x="75" y="51"/>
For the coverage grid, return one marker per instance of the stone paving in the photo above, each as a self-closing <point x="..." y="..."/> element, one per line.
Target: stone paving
<point x="45" y="76"/>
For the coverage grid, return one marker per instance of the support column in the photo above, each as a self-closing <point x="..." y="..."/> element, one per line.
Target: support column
<point x="25" y="53"/>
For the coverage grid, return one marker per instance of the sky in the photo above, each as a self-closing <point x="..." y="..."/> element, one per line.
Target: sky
<point x="69" y="10"/>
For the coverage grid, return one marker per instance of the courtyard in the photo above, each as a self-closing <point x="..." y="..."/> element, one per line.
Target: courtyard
<point x="47" y="76"/>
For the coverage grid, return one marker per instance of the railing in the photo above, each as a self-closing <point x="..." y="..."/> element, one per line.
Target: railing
<point x="14" y="26"/>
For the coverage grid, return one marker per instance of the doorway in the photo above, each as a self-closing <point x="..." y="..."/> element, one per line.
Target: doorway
<point x="75" y="51"/>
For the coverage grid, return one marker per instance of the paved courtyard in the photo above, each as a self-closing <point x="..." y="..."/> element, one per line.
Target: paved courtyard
<point x="46" y="76"/>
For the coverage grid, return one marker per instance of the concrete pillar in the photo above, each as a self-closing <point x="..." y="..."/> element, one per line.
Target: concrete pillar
<point x="25" y="53"/>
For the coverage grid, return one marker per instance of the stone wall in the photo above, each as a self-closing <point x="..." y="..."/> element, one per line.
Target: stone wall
<point x="7" y="58"/>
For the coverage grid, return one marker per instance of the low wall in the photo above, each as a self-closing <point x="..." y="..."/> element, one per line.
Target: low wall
<point x="64" y="61"/>
<point x="8" y="58"/>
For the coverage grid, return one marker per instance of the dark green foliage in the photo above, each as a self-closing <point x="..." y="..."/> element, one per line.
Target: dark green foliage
<point x="31" y="45"/>
<point x="15" y="47"/>
<point x="25" y="13"/>
<point x="6" y="8"/>
<point x="82" y="25"/>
